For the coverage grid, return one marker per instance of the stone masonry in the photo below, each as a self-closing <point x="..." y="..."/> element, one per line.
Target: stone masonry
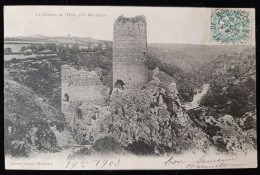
<point x="130" y="51"/>
<point x="81" y="89"/>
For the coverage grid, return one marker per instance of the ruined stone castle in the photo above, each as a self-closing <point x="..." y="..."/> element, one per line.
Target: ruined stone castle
<point x="130" y="51"/>
<point x="82" y="88"/>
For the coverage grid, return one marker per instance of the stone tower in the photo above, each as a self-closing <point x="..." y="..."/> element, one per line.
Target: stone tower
<point x="130" y="51"/>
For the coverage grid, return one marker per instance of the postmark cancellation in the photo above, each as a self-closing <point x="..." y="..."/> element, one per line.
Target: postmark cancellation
<point x="231" y="26"/>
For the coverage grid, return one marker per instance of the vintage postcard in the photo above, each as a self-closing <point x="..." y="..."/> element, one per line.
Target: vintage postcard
<point x="92" y="87"/>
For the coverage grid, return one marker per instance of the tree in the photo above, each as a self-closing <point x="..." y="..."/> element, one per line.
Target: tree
<point x="75" y="47"/>
<point x="60" y="47"/>
<point x="23" y="49"/>
<point x="52" y="47"/>
<point x="7" y="50"/>
<point x="39" y="48"/>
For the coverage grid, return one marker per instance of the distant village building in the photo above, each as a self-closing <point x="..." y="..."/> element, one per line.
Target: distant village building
<point x="28" y="52"/>
<point x="92" y="47"/>
<point x="46" y="51"/>
<point x="104" y="47"/>
<point x="84" y="47"/>
<point x="27" y="64"/>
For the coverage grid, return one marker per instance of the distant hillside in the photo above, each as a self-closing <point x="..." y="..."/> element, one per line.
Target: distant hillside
<point x="180" y="61"/>
<point x="59" y="39"/>
<point x="190" y="57"/>
<point x="230" y="65"/>
<point x="169" y="55"/>
<point x="232" y="79"/>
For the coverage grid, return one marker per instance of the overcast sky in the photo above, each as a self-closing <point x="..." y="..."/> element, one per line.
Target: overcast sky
<point x="164" y="25"/>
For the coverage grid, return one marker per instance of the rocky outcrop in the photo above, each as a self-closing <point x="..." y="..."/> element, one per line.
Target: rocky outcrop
<point x="151" y="118"/>
<point x="224" y="131"/>
<point x="152" y="121"/>
<point x="248" y="124"/>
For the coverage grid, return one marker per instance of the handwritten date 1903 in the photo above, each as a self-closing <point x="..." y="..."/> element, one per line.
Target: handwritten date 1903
<point x="86" y="163"/>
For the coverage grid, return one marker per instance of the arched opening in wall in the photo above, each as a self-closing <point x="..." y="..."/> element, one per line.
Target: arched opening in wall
<point x="119" y="84"/>
<point x="144" y="54"/>
<point x="66" y="97"/>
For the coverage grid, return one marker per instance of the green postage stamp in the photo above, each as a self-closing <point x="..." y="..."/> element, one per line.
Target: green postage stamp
<point x="230" y="26"/>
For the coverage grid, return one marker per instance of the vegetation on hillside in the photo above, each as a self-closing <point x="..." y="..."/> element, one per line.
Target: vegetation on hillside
<point x="232" y="83"/>
<point x="28" y="119"/>
<point x="42" y="76"/>
<point x="134" y="19"/>
<point x="186" y="82"/>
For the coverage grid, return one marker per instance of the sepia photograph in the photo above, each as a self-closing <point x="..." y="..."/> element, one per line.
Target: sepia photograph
<point x="129" y="88"/>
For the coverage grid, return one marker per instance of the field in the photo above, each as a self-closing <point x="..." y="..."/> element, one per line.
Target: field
<point x="15" y="47"/>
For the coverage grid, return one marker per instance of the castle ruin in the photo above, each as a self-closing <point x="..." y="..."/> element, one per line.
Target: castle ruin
<point x="130" y="51"/>
<point x="81" y="89"/>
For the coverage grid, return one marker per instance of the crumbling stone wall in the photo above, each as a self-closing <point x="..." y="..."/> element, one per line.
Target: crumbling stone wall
<point x="81" y="90"/>
<point x="130" y="51"/>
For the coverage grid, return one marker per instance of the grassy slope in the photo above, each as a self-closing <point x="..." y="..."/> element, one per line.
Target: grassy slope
<point x="22" y="105"/>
